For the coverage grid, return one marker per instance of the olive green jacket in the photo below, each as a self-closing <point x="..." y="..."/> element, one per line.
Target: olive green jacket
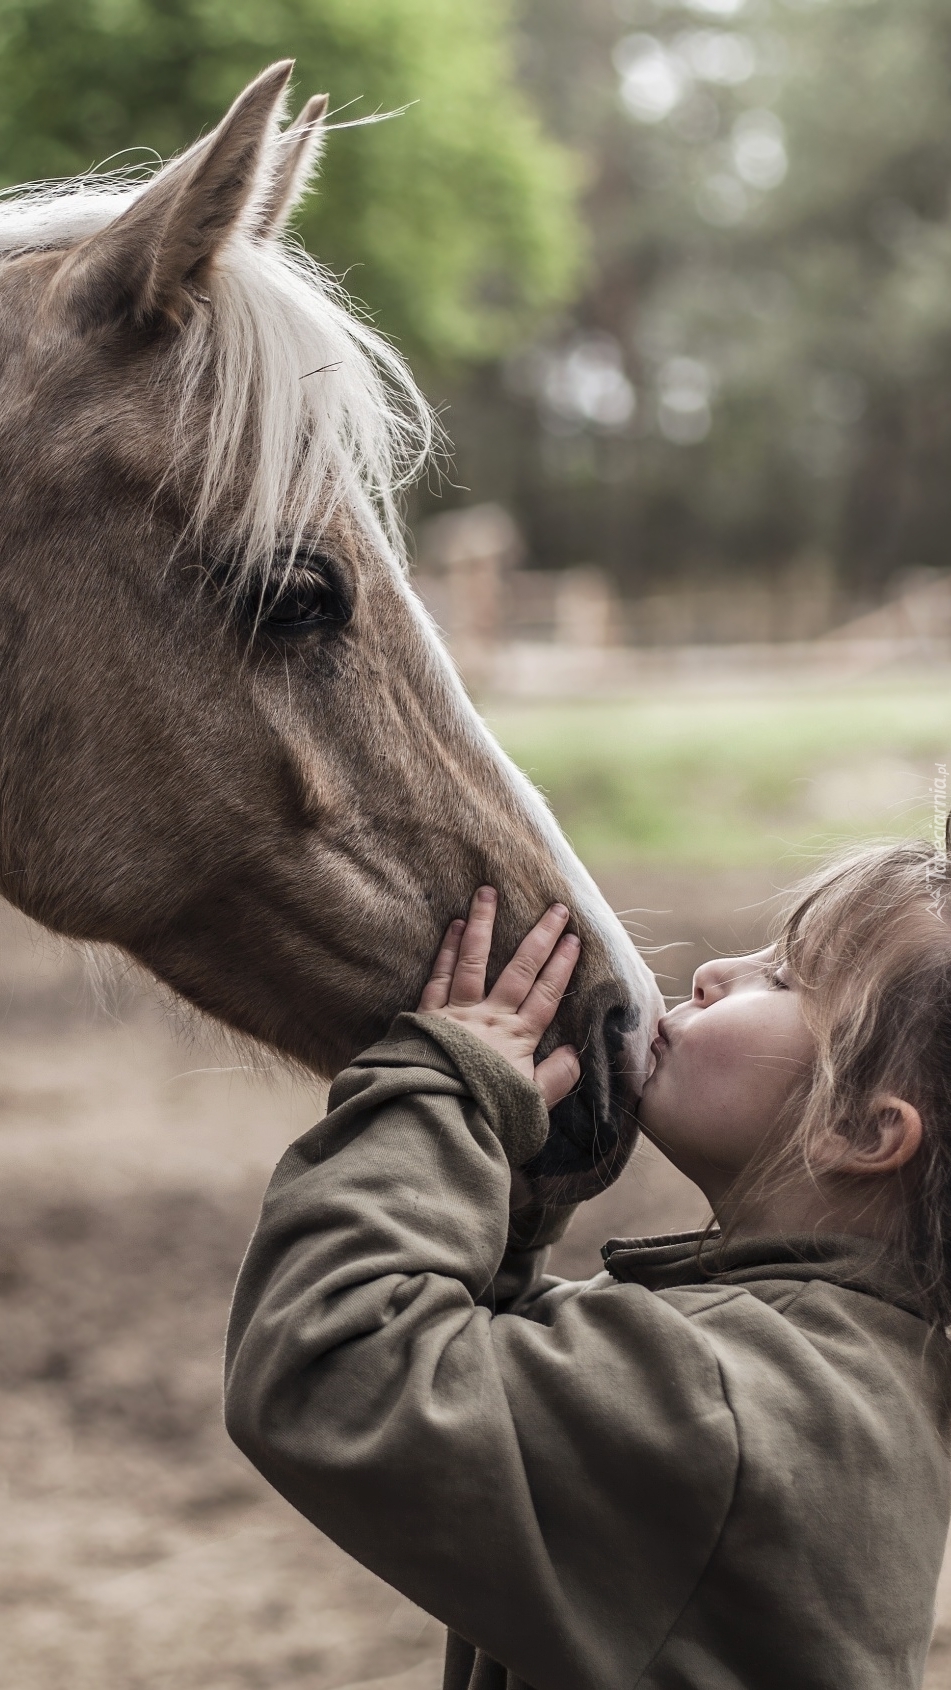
<point x="674" y="1476"/>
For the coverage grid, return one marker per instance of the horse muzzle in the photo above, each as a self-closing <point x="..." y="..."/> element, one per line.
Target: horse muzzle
<point x="594" y="1130"/>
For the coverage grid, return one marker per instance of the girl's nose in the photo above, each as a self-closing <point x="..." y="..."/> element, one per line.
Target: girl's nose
<point x="704" y="983"/>
<point x="711" y="981"/>
<point x="714" y="979"/>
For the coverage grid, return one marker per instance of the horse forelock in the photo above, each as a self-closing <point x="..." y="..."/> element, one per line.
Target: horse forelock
<point x="290" y="404"/>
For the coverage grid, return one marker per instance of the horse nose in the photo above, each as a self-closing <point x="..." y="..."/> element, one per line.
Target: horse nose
<point x="593" y="1131"/>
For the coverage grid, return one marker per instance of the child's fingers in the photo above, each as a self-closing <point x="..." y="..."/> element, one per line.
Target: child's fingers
<point x="468" y="981"/>
<point x="436" y="991"/>
<point x="539" y="1008"/>
<point x="518" y="977"/>
<point x="558" y="1074"/>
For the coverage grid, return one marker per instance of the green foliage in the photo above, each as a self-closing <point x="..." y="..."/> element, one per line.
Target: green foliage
<point x="818" y="300"/>
<point x="713" y="781"/>
<point x="455" y="222"/>
<point x="769" y="194"/>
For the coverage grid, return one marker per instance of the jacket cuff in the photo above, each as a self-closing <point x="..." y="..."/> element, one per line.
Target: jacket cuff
<point x="512" y="1105"/>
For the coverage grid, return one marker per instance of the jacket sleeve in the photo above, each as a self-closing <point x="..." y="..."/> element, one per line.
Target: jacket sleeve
<point x="551" y="1483"/>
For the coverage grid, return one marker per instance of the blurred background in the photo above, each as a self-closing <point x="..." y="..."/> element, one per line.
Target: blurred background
<point x="677" y="277"/>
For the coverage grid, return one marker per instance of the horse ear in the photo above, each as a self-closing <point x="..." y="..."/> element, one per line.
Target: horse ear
<point x="294" y="156"/>
<point x="139" y="264"/>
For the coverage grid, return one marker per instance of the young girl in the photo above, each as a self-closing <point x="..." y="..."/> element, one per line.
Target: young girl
<point x="722" y="1463"/>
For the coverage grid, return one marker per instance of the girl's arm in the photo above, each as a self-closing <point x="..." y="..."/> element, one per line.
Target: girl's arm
<point x="552" y="1487"/>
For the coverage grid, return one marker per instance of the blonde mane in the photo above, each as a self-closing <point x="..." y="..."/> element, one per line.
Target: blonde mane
<point x="330" y="408"/>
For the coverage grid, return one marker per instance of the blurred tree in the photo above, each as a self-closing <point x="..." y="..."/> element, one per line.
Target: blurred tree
<point x="760" y="367"/>
<point x="455" y="222"/>
<point x="798" y="157"/>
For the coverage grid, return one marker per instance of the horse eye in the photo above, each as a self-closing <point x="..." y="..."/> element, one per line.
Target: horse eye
<point x="307" y="599"/>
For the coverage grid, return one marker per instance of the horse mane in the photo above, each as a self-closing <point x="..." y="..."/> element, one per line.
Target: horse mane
<point x="327" y="406"/>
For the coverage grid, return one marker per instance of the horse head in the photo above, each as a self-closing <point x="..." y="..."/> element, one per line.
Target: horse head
<point x="231" y="742"/>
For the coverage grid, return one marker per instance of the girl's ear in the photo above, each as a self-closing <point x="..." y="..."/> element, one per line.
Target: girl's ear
<point x="140" y="265"/>
<point x="892" y="1137"/>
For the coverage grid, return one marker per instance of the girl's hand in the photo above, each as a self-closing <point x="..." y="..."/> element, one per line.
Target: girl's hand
<point x="524" y="999"/>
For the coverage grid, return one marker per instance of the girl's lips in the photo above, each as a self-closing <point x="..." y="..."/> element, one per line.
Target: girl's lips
<point x="658" y="1046"/>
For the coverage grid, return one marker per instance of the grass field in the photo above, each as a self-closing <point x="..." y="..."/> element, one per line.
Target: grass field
<point x="727" y="780"/>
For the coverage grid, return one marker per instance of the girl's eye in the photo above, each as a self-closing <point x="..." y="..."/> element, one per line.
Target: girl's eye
<point x="776" y="977"/>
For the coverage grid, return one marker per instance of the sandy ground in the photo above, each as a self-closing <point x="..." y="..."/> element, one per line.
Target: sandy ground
<point x="138" y="1551"/>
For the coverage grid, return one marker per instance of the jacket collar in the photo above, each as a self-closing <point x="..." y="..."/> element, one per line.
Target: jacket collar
<point x="701" y="1258"/>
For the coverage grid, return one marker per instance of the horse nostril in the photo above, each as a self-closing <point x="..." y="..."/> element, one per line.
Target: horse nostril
<point x="617" y="1024"/>
<point x="592" y="1130"/>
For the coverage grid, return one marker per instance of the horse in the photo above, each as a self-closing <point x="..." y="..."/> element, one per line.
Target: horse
<point x="232" y="743"/>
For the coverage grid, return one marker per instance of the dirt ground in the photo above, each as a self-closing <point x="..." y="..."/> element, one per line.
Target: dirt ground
<point x="138" y="1551"/>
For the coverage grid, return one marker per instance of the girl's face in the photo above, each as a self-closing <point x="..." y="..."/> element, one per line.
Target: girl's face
<point x="726" y="1063"/>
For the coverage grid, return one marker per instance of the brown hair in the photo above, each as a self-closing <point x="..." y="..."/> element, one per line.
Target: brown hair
<point x="868" y="943"/>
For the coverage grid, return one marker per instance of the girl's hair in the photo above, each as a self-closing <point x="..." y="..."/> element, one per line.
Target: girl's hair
<point x="868" y="943"/>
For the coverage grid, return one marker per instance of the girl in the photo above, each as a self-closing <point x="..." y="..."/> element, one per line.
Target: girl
<point x="723" y="1462"/>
